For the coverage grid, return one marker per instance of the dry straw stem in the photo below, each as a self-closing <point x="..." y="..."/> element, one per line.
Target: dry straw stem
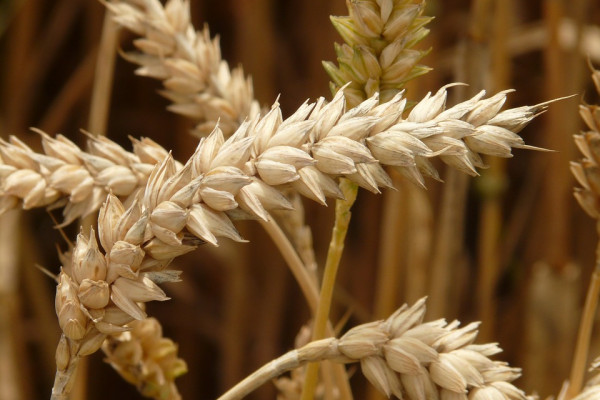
<point x="182" y="207"/>
<point x="587" y="173"/>
<point x="196" y="80"/>
<point x="591" y="390"/>
<point x="493" y="182"/>
<point x="404" y="357"/>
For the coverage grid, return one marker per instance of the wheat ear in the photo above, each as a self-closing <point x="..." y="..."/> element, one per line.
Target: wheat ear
<point x="377" y="56"/>
<point x="196" y="79"/>
<point x="587" y="173"/>
<point x="67" y="176"/>
<point x="319" y="142"/>
<point x="404" y="357"/>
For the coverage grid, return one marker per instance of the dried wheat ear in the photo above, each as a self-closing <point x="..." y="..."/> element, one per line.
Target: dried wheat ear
<point x="407" y="358"/>
<point x="197" y="81"/>
<point x="587" y="173"/>
<point x="306" y="151"/>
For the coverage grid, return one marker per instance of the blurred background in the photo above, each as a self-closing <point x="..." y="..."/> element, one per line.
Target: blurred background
<point x="510" y="248"/>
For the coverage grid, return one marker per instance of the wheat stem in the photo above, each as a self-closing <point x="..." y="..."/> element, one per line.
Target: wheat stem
<point x="334" y="255"/>
<point x="308" y="288"/>
<point x="287" y="362"/>
<point x="103" y="77"/>
<point x="391" y="233"/>
<point x="448" y="243"/>
<point x="293" y="261"/>
<point x="64" y="380"/>
<point x="584" y="334"/>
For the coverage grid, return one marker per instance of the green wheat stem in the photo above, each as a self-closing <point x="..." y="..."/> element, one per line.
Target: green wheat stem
<point x="334" y="255"/>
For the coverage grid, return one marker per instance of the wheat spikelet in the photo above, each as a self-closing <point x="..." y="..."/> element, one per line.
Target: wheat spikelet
<point x="66" y="175"/>
<point x="100" y="292"/>
<point x="197" y="81"/>
<point x="404" y="357"/>
<point x="587" y="171"/>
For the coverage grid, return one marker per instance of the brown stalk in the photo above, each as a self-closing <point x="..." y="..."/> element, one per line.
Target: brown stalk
<point x="32" y="59"/>
<point x="584" y="334"/>
<point x="552" y="285"/>
<point x="448" y="241"/>
<point x="12" y="344"/>
<point x="448" y="245"/>
<point x="493" y="180"/>
<point x="76" y="88"/>
<point x="236" y="298"/>
<point x="13" y="380"/>
<point x="103" y="77"/>
<point x="559" y="183"/>
<point x="392" y="234"/>
<point x="418" y="255"/>
<point x="98" y="119"/>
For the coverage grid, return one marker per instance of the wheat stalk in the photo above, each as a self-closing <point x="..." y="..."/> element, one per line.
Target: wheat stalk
<point x="404" y="357"/>
<point x="592" y="387"/>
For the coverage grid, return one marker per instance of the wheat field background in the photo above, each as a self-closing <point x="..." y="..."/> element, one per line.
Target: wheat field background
<point x="510" y="248"/>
